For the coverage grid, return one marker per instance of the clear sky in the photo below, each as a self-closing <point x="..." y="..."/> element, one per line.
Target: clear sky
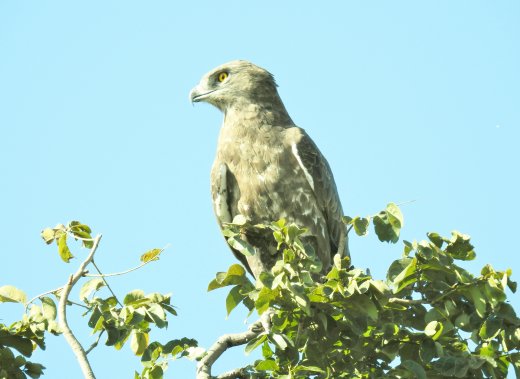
<point x="407" y="100"/>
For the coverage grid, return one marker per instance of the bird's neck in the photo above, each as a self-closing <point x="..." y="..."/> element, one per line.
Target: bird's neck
<point x="247" y="114"/>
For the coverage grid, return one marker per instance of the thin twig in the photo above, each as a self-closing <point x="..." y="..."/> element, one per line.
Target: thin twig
<point x="95" y="343"/>
<point x="76" y="347"/>
<point x="406" y="202"/>
<point x="221" y="345"/>
<point x="41" y="295"/>
<point x="78" y="304"/>
<point x="76" y="237"/>
<point x="106" y="283"/>
<point x="119" y="273"/>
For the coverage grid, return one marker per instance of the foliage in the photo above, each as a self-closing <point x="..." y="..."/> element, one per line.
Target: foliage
<point x="22" y="337"/>
<point x="430" y="318"/>
<point x="131" y="319"/>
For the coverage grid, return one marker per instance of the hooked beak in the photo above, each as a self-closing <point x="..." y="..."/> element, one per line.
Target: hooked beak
<point x="199" y="94"/>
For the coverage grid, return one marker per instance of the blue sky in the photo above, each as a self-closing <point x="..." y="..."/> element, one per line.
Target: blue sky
<point x="407" y="100"/>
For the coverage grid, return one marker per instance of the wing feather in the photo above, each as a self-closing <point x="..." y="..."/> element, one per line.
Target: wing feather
<point x="320" y="178"/>
<point x="225" y="194"/>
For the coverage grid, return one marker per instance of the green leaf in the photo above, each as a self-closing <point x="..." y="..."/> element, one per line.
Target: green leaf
<point x="416" y="368"/>
<point x="82" y="232"/>
<point x="397" y="267"/>
<point x="133" y="297"/>
<point x="360" y="225"/>
<point x="89" y="286"/>
<point x="407" y="276"/>
<point x="157" y="314"/>
<point x="452" y="366"/>
<point x="236" y="274"/>
<point x="463" y="322"/>
<point x="233" y="299"/>
<point x="279" y="340"/>
<point x="267" y="365"/>
<point x="11" y="294"/>
<point x="267" y="352"/>
<point x="139" y="342"/>
<point x="436" y="239"/>
<point x="241" y="246"/>
<point x="367" y="306"/>
<point x="48" y="235"/>
<point x="48" y="308"/>
<point x="151" y="255"/>
<point x="427" y="350"/>
<point x="309" y="369"/>
<point x="79" y="226"/>
<point x="433" y="330"/>
<point x="478" y="300"/>
<point x="395" y="217"/>
<point x="63" y="249"/>
<point x="34" y="370"/>
<point x="346" y="219"/>
<point x="459" y="247"/>
<point x="156" y="373"/>
<point x="384" y="230"/>
<point x="265" y="297"/>
<point x="255" y="342"/>
<point x="388" y="224"/>
<point x="22" y="344"/>
<point x="490" y="328"/>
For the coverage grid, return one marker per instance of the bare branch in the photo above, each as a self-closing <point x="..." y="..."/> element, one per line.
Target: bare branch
<point x="42" y="295"/>
<point x="69" y="302"/>
<point x="120" y="273"/>
<point x="405" y="301"/>
<point x="95" y="343"/>
<point x="406" y="202"/>
<point x="220" y="346"/>
<point x="237" y="373"/>
<point x="76" y="347"/>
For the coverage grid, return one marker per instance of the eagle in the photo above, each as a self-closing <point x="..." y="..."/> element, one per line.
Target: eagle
<point x="266" y="168"/>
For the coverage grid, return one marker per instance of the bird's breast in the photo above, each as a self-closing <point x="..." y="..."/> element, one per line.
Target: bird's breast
<point x="259" y="163"/>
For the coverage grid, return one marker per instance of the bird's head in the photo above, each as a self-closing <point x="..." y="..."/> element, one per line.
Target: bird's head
<point x="234" y="84"/>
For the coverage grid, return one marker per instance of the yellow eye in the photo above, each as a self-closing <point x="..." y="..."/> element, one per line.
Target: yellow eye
<point x="222" y="76"/>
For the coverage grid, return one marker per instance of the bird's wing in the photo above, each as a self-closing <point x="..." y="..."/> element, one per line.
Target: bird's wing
<point x="319" y="176"/>
<point x="225" y="194"/>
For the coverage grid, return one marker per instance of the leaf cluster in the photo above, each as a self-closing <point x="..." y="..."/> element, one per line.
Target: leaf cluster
<point x="18" y="341"/>
<point x="130" y="320"/>
<point x="430" y="318"/>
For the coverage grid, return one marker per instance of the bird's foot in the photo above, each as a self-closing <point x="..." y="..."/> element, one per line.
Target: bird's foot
<point x="267" y="319"/>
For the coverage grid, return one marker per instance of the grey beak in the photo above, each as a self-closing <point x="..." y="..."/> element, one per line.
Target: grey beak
<point x="199" y="94"/>
<point x="193" y="95"/>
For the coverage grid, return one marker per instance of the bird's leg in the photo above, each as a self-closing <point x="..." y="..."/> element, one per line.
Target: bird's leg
<point x="267" y="319"/>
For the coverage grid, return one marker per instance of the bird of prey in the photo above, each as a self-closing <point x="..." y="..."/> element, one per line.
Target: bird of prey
<point x="266" y="168"/>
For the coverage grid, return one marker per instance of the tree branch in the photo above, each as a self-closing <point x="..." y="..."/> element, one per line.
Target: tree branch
<point x="237" y="373"/>
<point x="42" y="295"/>
<point x="94" y="345"/>
<point x="220" y="346"/>
<point x="405" y="301"/>
<point x="120" y="273"/>
<point x="76" y="347"/>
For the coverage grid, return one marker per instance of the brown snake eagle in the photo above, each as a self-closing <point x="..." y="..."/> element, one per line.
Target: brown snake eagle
<point x="266" y="168"/>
